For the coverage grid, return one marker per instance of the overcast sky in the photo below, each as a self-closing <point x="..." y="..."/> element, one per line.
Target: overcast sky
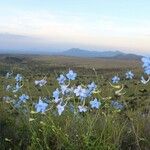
<point x="87" y="24"/>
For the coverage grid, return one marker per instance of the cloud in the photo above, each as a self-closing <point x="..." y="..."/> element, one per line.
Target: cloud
<point x="44" y="28"/>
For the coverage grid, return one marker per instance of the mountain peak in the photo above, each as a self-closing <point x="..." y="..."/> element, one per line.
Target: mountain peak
<point x="87" y="53"/>
<point x="76" y="52"/>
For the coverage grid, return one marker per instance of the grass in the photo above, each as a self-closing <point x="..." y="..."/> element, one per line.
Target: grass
<point x="103" y="129"/>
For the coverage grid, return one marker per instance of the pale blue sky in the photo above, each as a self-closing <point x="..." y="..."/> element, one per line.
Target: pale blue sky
<point x="62" y="24"/>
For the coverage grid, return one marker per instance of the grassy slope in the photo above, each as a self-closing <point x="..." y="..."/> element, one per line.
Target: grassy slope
<point x="63" y="131"/>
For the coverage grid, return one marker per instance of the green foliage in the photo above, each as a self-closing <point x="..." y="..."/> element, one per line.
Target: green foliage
<point x="103" y="129"/>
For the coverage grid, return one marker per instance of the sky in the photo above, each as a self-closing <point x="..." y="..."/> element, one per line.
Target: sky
<point x="57" y="25"/>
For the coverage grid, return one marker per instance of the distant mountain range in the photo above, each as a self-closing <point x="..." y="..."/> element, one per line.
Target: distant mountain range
<point x="76" y="52"/>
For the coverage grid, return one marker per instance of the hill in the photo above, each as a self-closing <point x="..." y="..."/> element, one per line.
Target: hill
<point x="76" y="52"/>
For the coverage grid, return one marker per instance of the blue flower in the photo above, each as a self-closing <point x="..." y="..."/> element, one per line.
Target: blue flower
<point x="147" y="70"/>
<point x="40" y="82"/>
<point x="71" y="106"/>
<point x="41" y="106"/>
<point x="115" y="79"/>
<point x="23" y="98"/>
<point x="8" y="87"/>
<point x="8" y="75"/>
<point x="82" y="108"/>
<point x="56" y="94"/>
<point x="6" y="98"/>
<point x="18" y="78"/>
<point x="80" y="92"/>
<point x="129" y="75"/>
<point x="146" y="61"/>
<point x="71" y="75"/>
<point x="60" y="108"/>
<point x="117" y="105"/>
<point x="61" y="79"/>
<point x="56" y="100"/>
<point x="64" y="89"/>
<point x="17" y="88"/>
<point x="17" y="104"/>
<point x="92" y="86"/>
<point x="146" y="65"/>
<point x="95" y="104"/>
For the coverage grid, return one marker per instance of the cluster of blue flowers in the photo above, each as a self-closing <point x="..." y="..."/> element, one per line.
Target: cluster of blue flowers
<point x="78" y="98"/>
<point x="129" y="75"/>
<point x="65" y="93"/>
<point x="18" y="83"/>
